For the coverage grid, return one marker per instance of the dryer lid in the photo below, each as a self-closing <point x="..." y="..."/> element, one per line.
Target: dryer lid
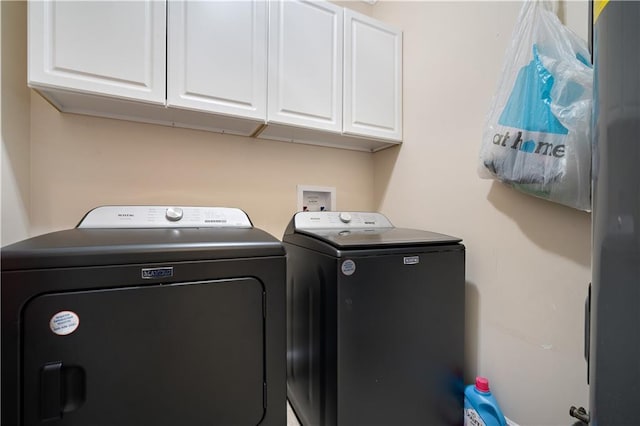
<point x="142" y="234"/>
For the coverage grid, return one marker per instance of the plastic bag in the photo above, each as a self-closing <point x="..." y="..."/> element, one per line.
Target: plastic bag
<point x="537" y="133"/>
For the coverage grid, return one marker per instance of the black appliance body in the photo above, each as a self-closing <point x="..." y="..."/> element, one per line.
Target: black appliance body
<point x="375" y="322"/>
<point x="614" y="345"/>
<point x="145" y="315"/>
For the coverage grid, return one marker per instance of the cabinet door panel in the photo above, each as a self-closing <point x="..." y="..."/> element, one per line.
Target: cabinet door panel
<point x="305" y="64"/>
<point x="217" y="56"/>
<point x="109" y="48"/>
<point x="372" y="78"/>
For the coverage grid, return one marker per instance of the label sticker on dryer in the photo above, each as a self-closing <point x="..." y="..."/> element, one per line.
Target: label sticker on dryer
<point x="64" y="323"/>
<point x="348" y="267"/>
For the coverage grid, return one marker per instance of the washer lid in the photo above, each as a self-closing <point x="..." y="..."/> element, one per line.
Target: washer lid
<point x="359" y="238"/>
<point x="363" y="230"/>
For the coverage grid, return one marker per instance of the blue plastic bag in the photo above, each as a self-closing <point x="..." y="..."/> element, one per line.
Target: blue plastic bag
<point x="537" y="133"/>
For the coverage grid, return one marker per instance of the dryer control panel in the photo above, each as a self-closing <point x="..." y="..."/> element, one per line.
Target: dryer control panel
<point x="341" y="220"/>
<point x="165" y="217"/>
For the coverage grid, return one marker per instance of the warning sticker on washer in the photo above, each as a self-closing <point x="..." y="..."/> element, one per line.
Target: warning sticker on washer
<point x="64" y="322"/>
<point x="348" y="267"/>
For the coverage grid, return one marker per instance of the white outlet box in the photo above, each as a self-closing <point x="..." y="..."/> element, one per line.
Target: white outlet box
<point x="316" y="198"/>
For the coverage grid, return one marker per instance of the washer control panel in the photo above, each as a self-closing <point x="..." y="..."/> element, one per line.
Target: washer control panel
<point x="165" y="217"/>
<point x="341" y="220"/>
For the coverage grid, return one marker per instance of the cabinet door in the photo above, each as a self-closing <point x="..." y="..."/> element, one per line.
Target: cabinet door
<point x="217" y="56"/>
<point x="372" y="78"/>
<point x="305" y="64"/>
<point x="114" y="48"/>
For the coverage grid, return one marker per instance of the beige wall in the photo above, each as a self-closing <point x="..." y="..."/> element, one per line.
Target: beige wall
<point x="528" y="260"/>
<point x="80" y="162"/>
<point x="14" y="124"/>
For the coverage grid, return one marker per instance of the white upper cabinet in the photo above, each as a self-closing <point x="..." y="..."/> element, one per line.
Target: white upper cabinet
<point x="217" y="57"/>
<point x="372" y="78"/>
<point x="113" y="48"/>
<point x="305" y="64"/>
<point x="305" y="71"/>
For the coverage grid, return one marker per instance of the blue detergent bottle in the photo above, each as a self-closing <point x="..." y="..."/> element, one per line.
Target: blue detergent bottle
<point x="480" y="407"/>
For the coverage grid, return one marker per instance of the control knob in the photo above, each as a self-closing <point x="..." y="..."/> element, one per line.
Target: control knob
<point x="174" y="214"/>
<point x="345" y="217"/>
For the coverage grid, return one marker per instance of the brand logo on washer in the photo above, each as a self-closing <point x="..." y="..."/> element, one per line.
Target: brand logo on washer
<point x="153" y="273"/>
<point x="411" y="260"/>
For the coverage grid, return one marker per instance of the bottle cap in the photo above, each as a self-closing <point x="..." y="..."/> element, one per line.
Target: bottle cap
<point x="482" y="384"/>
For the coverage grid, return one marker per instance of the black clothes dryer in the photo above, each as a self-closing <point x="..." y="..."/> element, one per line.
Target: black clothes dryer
<point x="375" y="322"/>
<point x="145" y="315"/>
